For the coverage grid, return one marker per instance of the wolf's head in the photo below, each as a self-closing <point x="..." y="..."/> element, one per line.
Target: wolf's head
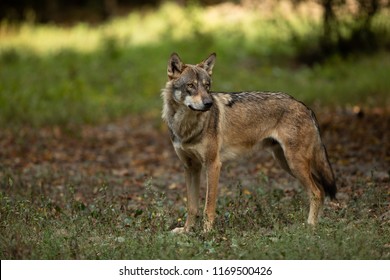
<point x="191" y="83"/>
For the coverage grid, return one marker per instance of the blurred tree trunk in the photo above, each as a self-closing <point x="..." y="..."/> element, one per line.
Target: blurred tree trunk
<point x="110" y="8"/>
<point x="347" y="26"/>
<point x="328" y="17"/>
<point x="51" y="10"/>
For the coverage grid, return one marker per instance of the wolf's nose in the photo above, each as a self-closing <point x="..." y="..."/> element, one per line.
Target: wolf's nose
<point x="207" y="104"/>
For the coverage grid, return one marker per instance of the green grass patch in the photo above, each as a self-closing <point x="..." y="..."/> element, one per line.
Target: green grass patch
<point x="260" y="224"/>
<point x="53" y="75"/>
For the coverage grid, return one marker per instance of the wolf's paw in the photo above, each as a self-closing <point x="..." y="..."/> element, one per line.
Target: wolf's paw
<point x="208" y="225"/>
<point x="179" y="230"/>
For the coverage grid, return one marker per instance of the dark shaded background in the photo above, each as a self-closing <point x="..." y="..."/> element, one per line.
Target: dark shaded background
<point x="65" y="11"/>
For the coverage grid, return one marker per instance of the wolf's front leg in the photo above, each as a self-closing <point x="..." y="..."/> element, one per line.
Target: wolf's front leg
<point x="192" y="175"/>
<point x="212" y="176"/>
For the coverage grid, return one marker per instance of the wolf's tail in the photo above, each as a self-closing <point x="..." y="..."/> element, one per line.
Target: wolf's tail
<point x="323" y="173"/>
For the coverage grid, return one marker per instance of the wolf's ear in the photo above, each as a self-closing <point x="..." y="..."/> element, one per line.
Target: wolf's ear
<point x="208" y="63"/>
<point x="175" y="66"/>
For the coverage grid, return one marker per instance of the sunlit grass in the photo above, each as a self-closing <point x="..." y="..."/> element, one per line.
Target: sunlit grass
<point x="47" y="39"/>
<point x="170" y="22"/>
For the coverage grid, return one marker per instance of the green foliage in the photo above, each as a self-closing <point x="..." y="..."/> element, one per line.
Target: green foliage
<point x="70" y="76"/>
<point x="73" y="88"/>
<point x="356" y="26"/>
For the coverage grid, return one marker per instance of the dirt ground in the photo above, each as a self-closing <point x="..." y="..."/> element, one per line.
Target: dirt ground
<point x="126" y="154"/>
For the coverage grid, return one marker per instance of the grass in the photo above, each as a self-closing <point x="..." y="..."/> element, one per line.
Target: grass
<point x="250" y="225"/>
<point x="52" y="75"/>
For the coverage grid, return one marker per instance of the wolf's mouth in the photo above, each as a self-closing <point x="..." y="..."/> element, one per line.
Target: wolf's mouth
<point x="204" y="109"/>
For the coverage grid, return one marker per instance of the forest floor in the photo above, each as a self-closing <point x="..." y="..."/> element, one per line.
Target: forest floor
<point x="58" y="185"/>
<point x="126" y="153"/>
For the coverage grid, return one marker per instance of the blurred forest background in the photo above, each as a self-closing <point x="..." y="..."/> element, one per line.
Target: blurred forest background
<point x="347" y="25"/>
<point x="86" y="167"/>
<point x="286" y="45"/>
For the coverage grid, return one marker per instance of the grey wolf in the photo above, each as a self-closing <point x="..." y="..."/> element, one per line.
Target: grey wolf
<point x="208" y="128"/>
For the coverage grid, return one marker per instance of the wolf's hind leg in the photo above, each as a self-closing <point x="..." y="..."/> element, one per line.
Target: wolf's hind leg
<point x="278" y="154"/>
<point x="299" y="165"/>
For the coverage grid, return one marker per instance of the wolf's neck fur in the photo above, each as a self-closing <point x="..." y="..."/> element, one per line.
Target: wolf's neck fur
<point x="185" y="124"/>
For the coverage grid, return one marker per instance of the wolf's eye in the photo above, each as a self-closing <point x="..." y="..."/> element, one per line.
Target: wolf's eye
<point x="190" y="86"/>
